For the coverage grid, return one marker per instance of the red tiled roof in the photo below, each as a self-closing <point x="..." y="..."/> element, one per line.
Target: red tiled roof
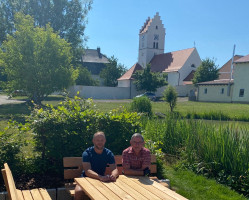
<point x="216" y="82"/>
<point x="224" y="71"/>
<point x="145" y="26"/>
<point x="244" y="59"/>
<point x="190" y="76"/>
<point x="128" y="75"/>
<point x="169" y="62"/>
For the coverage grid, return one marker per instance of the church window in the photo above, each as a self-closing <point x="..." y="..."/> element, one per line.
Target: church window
<point x="205" y="91"/>
<point x="222" y="91"/>
<point x="156" y="45"/>
<point x="193" y="65"/>
<point x="156" y="27"/>
<point x="241" y="92"/>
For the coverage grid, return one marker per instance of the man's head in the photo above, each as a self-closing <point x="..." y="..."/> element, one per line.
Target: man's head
<point x="99" y="140"/>
<point x="137" y="142"/>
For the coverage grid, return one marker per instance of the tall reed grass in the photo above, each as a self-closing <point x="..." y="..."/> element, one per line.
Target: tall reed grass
<point x="219" y="151"/>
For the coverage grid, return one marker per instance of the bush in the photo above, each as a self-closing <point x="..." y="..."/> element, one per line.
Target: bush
<point x="141" y="105"/>
<point x="10" y="146"/>
<point x="68" y="129"/>
<point x="170" y="95"/>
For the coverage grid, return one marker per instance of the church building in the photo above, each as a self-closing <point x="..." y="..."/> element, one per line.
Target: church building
<point x="179" y="65"/>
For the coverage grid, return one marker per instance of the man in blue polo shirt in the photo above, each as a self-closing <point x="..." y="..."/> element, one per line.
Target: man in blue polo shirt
<point x="95" y="160"/>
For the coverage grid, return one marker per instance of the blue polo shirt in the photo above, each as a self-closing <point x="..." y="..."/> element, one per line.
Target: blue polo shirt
<point x="98" y="161"/>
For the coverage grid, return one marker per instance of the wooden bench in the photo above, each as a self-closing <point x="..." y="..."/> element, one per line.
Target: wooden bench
<point x="73" y="169"/>
<point x="14" y="194"/>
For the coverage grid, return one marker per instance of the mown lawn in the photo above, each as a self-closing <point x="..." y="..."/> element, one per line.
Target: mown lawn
<point x="230" y="109"/>
<point x="186" y="183"/>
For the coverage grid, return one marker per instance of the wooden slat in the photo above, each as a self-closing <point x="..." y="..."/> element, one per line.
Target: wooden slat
<point x="135" y="194"/>
<point x="153" y="168"/>
<point x="91" y="191"/>
<point x="161" y="187"/>
<point x="44" y="193"/>
<point x="154" y="190"/>
<point x="9" y="183"/>
<point x="19" y="193"/>
<point x="153" y="158"/>
<point x="139" y="188"/>
<point x="118" y="159"/>
<point x="72" y="161"/>
<point x="36" y="194"/>
<point x="27" y="195"/>
<point x="103" y="189"/>
<point x="121" y="193"/>
<point x="72" y="173"/>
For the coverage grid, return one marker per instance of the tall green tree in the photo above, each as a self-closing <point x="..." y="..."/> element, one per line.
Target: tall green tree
<point x="149" y="81"/>
<point x="112" y="72"/>
<point x="66" y="17"/>
<point x="85" y="77"/>
<point x="207" y="71"/>
<point x="170" y="96"/>
<point x="36" y="60"/>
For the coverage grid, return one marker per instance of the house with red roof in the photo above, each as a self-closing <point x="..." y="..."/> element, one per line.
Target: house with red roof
<point x="179" y="65"/>
<point x="232" y="85"/>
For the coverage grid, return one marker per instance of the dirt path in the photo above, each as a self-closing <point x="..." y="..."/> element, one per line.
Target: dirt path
<point x="4" y="100"/>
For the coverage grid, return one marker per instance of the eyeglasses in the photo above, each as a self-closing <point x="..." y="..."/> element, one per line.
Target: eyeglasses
<point x="137" y="142"/>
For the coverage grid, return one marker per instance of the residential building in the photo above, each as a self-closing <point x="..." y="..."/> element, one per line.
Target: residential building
<point x="226" y="89"/>
<point x="179" y="65"/>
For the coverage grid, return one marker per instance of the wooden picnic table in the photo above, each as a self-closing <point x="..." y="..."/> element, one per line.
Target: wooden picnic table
<point x="127" y="187"/>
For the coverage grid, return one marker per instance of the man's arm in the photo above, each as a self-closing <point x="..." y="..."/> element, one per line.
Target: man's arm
<point x="114" y="173"/>
<point x="92" y="174"/>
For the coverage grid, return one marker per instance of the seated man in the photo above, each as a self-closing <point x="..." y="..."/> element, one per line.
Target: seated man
<point x="95" y="160"/>
<point x="136" y="158"/>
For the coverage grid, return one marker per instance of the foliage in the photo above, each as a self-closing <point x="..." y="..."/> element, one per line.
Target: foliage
<point x="170" y="96"/>
<point x="141" y="105"/>
<point x="112" y="72"/>
<point x="149" y="81"/>
<point x="68" y="129"/>
<point x="215" y="151"/>
<point x="67" y="18"/>
<point x="36" y="60"/>
<point x="207" y="71"/>
<point x="11" y="143"/>
<point x="85" y="77"/>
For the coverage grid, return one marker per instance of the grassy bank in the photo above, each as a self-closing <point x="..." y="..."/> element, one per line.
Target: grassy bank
<point x="196" y="187"/>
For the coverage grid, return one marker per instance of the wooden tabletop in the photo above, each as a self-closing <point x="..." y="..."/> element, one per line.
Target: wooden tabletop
<point x="127" y="187"/>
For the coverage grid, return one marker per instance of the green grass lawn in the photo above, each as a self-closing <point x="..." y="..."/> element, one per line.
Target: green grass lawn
<point x="196" y="187"/>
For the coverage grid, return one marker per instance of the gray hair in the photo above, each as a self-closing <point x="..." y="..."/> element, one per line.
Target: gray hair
<point x="137" y="135"/>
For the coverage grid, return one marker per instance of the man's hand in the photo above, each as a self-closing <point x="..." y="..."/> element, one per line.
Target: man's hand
<point x="113" y="178"/>
<point x="104" y="178"/>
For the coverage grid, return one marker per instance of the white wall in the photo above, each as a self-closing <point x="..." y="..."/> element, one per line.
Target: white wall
<point x="182" y="90"/>
<point x="195" y="59"/>
<point x="97" y="92"/>
<point x="173" y="78"/>
<point x="124" y="83"/>
<point x="241" y="74"/>
<point x="146" y="40"/>
<point x="214" y="93"/>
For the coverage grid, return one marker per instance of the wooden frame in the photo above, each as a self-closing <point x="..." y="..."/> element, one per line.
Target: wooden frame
<point x="14" y="194"/>
<point x="73" y="169"/>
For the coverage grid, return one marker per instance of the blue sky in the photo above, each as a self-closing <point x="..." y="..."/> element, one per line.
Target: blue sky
<point x="213" y="25"/>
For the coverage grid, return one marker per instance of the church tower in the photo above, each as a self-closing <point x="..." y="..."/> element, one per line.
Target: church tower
<point x="151" y="40"/>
